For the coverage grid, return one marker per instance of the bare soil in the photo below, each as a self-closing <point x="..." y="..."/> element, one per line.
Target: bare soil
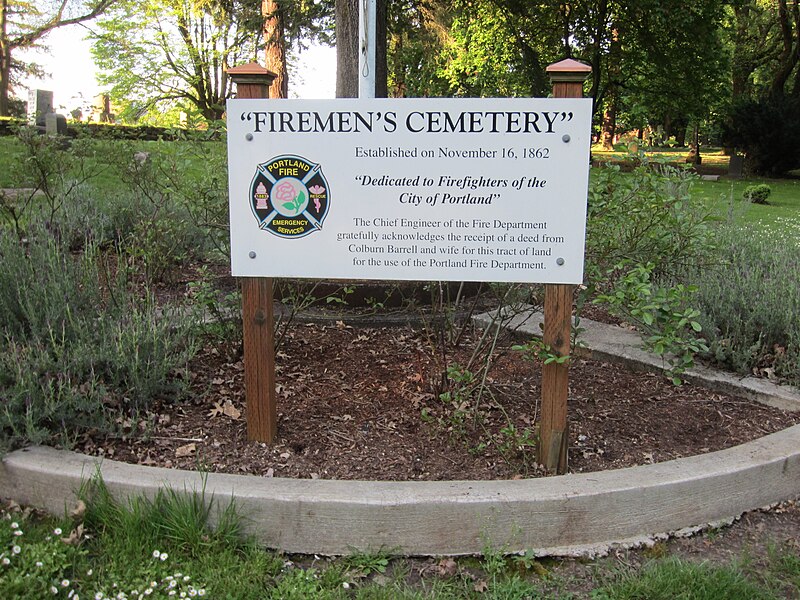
<point x="362" y="403"/>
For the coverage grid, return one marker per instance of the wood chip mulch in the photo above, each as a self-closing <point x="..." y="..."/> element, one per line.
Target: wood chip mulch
<point x="359" y="403"/>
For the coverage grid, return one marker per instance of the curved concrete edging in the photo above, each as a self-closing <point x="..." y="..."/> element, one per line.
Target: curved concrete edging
<point x="565" y="515"/>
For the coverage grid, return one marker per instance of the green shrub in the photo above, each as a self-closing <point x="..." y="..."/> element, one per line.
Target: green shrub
<point x="52" y="169"/>
<point x="647" y="216"/>
<point x="749" y="301"/>
<point x="78" y="347"/>
<point x="172" y="203"/>
<point x="768" y="131"/>
<point x="757" y="194"/>
<point x="643" y="228"/>
<point x="662" y="312"/>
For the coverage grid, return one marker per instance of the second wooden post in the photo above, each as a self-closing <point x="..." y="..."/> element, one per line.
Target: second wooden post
<point x="567" y="78"/>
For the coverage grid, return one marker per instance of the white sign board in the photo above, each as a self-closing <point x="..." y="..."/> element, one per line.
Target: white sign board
<point x="409" y="189"/>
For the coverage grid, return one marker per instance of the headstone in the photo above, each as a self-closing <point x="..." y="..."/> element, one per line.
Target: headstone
<point x="736" y="165"/>
<point x="55" y="124"/>
<point x="40" y="103"/>
<point x="105" y="113"/>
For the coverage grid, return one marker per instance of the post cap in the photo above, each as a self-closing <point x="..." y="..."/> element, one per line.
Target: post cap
<point x="568" y="70"/>
<point x="251" y="73"/>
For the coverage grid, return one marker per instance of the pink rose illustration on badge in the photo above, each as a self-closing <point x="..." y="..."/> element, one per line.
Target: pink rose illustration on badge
<point x="292" y="200"/>
<point x="281" y="192"/>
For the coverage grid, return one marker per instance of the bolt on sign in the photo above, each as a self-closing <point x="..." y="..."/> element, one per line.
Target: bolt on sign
<point x="409" y="189"/>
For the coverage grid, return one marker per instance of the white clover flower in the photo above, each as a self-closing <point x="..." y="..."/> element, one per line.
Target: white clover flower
<point x="192" y="592"/>
<point x="64" y="582"/>
<point x="156" y="554"/>
<point x="6" y="561"/>
<point x="53" y="589"/>
<point x="89" y="572"/>
<point x="171" y="593"/>
<point x="345" y="585"/>
<point x="172" y="583"/>
<point x="186" y="578"/>
<point x="57" y="531"/>
<point x="71" y="594"/>
<point x="16" y="549"/>
<point x="201" y="592"/>
<point x="15" y="525"/>
<point x="153" y="584"/>
<point x="183" y="594"/>
<point x="98" y="596"/>
<point x="148" y="591"/>
<point x="18" y="532"/>
<point x="39" y="563"/>
<point x="164" y="556"/>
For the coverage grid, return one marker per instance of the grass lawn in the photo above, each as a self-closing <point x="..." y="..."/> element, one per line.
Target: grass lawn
<point x="784" y="202"/>
<point x="713" y="158"/>
<point x="164" y="548"/>
<point x="725" y="196"/>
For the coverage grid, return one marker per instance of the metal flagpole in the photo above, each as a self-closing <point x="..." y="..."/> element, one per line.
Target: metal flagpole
<point x="366" y="55"/>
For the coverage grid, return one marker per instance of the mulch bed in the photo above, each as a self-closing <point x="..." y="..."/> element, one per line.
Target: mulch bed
<point x="357" y="403"/>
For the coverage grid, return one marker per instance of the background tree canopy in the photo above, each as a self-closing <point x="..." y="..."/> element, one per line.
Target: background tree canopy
<point x="658" y="66"/>
<point x="157" y="54"/>
<point x="24" y="23"/>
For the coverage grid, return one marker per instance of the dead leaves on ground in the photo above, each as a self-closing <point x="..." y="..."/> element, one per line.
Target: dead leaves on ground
<point x="227" y="408"/>
<point x="185" y="450"/>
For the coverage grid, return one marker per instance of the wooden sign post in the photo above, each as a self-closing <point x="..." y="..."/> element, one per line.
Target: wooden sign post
<point x="567" y="77"/>
<point x="253" y="81"/>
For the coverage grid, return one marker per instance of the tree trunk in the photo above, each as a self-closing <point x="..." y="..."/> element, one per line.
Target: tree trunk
<point x="790" y="53"/>
<point x="346" y="48"/>
<point x="597" y="53"/>
<point x="381" y="62"/>
<point x="275" y="48"/>
<point x="347" y="51"/>
<point x="680" y="133"/>
<point x="609" y="123"/>
<point x="5" y="59"/>
<point x="694" y="158"/>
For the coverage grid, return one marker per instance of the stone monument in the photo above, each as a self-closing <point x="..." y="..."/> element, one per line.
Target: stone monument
<point x="40" y="103"/>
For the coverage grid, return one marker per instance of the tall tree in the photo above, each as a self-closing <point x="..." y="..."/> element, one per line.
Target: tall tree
<point x="288" y="26"/>
<point x="275" y="48"/>
<point x="789" y="57"/>
<point x="155" y="53"/>
<point x="347" y="49"/>
<point x="418" y="30"/>
<point x="23" y="24"/>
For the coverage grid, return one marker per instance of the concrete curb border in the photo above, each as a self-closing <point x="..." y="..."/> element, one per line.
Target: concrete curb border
<point x="567" y="515"/>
